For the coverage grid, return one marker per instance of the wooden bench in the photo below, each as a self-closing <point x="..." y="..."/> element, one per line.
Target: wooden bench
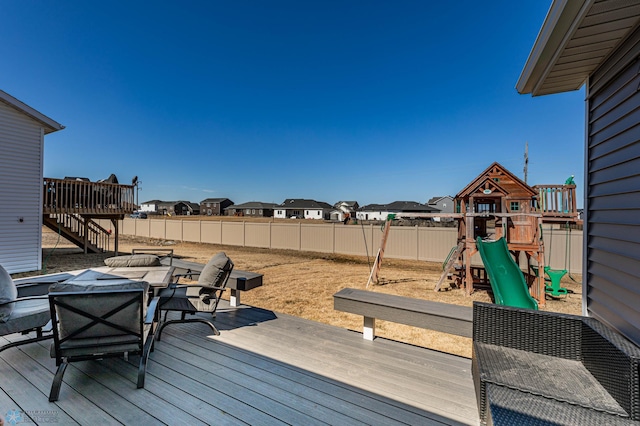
<point x="452" y="319"/>
<point x="238" y="280"/>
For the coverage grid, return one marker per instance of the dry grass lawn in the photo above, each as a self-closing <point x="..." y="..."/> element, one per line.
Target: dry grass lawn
<point x="303" y="283"/>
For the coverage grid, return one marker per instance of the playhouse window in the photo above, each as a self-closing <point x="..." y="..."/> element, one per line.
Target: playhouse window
<point x="485" y="208"/>
<point x="515" y="206"/>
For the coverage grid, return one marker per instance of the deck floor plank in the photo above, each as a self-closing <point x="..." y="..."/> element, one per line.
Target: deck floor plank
<point x="264" y="368"/>
<point x="312" y="393"/>
<point x="108" y="391"/>
<point x="251" y="315"/>
<point x="21" y="380"/>
<point x="228" y="410"/>
<point x="370" y="377"/>
<point x="357" y="363"/>
<point x="342" y="343"/>
<point x="305" y="410"/>
<point x="256" y="399"/>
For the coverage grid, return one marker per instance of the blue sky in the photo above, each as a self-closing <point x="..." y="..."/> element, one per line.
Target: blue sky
<point x="373" y="101"/>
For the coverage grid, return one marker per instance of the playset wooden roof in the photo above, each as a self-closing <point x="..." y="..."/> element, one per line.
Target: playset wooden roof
<point x="497" y="180"/>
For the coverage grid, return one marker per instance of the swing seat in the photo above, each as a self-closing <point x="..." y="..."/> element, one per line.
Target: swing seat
<point x="555" y="276"/>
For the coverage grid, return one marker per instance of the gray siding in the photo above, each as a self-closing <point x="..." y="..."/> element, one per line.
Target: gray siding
<point x="612" y="236"/>
<point x="21" y="141"/>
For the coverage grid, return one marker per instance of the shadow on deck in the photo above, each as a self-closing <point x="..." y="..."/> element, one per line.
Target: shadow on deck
<point x="264" y="368"/>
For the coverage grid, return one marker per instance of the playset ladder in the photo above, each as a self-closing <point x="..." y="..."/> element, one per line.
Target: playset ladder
<point x="453" y="257"/>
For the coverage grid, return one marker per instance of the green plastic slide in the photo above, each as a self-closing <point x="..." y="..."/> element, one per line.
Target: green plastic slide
<point x="507" y="281"/>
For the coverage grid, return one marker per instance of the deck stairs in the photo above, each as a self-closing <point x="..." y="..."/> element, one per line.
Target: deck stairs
<point x="74" y="227"/>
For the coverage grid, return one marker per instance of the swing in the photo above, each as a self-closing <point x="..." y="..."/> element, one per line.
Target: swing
<point x="555" y="275"/>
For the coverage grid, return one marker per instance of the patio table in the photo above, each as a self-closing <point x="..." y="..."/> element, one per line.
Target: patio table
<point x="158" y="277"/>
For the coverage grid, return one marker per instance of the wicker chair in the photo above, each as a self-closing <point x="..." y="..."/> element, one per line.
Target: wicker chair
<point x="536" y="367"/>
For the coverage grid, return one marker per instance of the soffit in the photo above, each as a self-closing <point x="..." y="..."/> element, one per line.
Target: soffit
<point x="576" y="37"/>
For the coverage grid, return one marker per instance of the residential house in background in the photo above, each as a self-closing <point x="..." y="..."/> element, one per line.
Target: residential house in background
<point x="381" y="211"/>
<point x="166" y="207"/>
<point x="300" y="208"/>
<point x="151" y="206"/>
<point x="22" y="132"/>
<point x="186" y="208"/>
<point x="444" y="204"/>
<point x="178" y="208"/>
<point x="344" y="209"/>
<point x="214" y="206"/>
<point x="251" y="209"/>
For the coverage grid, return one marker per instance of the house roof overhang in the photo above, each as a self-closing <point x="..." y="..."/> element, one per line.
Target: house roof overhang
<point x="575" y="38"/>
<point x="47" y="123"/>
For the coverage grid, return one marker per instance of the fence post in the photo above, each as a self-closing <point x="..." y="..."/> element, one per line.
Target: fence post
<point x="373" y="249"/>
<point x="417" y="243"/>
<point x="333" y="240"/>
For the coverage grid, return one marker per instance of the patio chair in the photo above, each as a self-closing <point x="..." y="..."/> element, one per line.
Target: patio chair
<point x="194" y="298"/>
<point x="24" y="308"/>
<point x="96" y="320"/>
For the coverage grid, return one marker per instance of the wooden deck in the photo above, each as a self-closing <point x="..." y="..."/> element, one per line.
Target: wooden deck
<point x="264" y="368"/>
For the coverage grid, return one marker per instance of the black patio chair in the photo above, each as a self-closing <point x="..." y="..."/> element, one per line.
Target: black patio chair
<point x="201" y="297"/>
<point x="98" y="320"/>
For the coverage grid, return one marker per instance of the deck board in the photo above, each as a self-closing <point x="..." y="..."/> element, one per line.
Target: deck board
<point x="264" y="368"/>
<point x="310" y="393"/>
<point x="339" y="362"/>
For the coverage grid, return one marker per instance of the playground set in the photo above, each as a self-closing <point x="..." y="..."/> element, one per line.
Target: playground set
<point x="499" y="216"/>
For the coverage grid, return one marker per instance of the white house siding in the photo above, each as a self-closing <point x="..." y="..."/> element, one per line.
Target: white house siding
<point x="371" y="215"/>
<point x="314" y="214"/>
<point x="21" y="150"/>
<point x="280" y="213"/>
<point x="149" y="208"/>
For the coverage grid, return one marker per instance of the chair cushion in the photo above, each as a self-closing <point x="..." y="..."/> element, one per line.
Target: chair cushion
<point x="214" y="270"/>
<point x="132" y="260"/>
<point x="99" y="300"/>
<point x="26" y="315"/>
<point x="8" y="293"/>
